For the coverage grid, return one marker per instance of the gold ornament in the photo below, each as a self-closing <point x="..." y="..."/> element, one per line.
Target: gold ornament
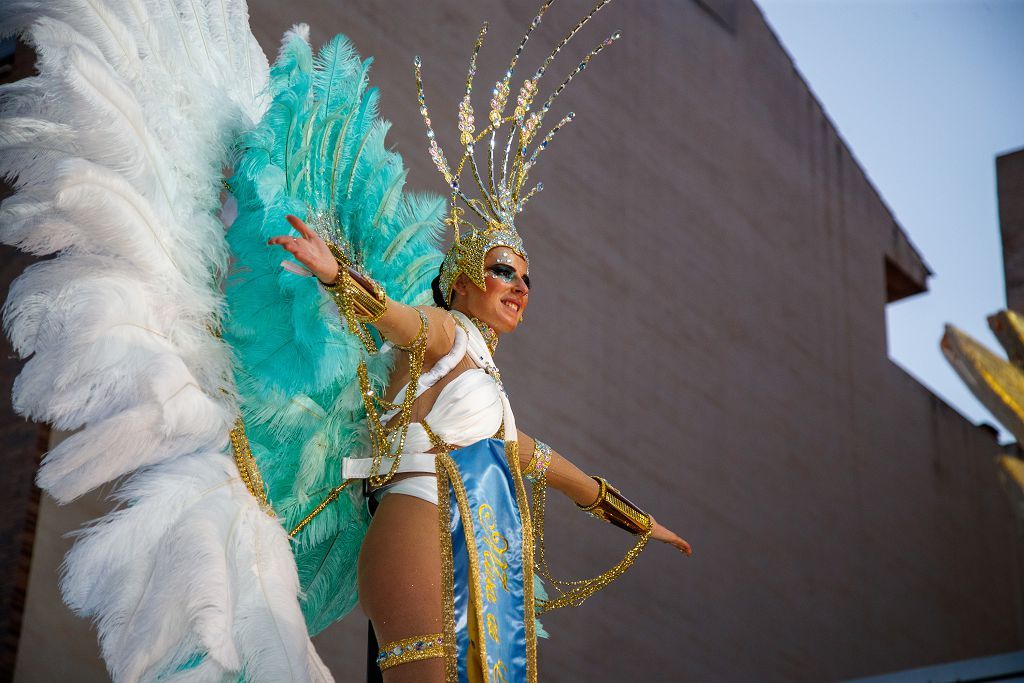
<point x="500" y="186"/>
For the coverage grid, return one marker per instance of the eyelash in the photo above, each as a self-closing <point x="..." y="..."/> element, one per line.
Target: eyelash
<point x="507" y="274"/>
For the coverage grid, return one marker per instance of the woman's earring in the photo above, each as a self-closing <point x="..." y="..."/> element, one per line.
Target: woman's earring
<point x="521" y="320"/>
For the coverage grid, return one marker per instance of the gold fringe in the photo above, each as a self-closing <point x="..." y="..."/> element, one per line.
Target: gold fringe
<point x="573" y="592"/>
<point x="247" y="467"/>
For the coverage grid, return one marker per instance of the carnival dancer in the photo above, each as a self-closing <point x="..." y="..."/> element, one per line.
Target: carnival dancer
<point x="245" y="421"/>
<point x="445" y="446"/>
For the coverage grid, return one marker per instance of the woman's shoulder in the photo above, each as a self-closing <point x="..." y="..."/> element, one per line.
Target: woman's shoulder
<point x="441" y="331"/>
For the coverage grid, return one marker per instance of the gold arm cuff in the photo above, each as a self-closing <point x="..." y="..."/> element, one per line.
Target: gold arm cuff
<point x="540" y="461"/>
<point x="615" y="508"/>
<point x="355" y="292"/>
<point x="411" y="650"/>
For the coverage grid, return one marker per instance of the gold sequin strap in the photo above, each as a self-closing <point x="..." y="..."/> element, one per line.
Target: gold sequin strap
<point x="437" y="442"/>
<point x="331" y="497"/>
<point x="411" y="650"/>
<point x="389" y="441"/>
<point x="247" y="467"/>
<point x="572" y="593"/>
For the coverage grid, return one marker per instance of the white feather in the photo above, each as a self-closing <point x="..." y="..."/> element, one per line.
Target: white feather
<point x="192" y="565"/>
<point x="94" y="334"/>
<point x="116" y="150"/>
<point x="32" y="147"/>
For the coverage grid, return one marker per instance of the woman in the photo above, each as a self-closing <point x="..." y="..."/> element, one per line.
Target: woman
<point x="229" y="553"/>
<point x="400" y="573"/>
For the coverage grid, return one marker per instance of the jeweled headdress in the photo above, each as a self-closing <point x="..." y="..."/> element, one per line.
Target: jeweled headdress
<point x="502" y="182"/>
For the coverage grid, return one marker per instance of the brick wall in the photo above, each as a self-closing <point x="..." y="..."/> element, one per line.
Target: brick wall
<point x="707" y="330"/>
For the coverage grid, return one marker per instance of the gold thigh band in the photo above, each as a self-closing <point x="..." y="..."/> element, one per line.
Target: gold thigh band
<point x="410" y="650"/>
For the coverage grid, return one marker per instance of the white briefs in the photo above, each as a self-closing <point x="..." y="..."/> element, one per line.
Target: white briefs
<point x="423" y="486"/>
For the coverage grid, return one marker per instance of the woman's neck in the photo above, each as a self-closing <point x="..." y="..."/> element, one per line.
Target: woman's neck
<point x="489" y="334"/>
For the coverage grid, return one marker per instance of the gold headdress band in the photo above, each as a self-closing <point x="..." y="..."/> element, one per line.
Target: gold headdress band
<point x="501" y="196"/>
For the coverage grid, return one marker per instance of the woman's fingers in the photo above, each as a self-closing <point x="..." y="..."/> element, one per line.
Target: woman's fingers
<point x="665" y="535"/>
<point x="296" y="248"/>
<point x="309" y="249"/>
<point x="290" y="244"/>
<point x="299" y="225"/>
<point x="681" y="545"/>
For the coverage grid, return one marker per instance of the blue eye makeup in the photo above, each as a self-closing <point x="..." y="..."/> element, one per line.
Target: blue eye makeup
<point x="507" y="274"/>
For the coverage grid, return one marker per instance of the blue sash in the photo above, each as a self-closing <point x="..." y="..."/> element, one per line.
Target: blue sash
<point x="495" y="642"/>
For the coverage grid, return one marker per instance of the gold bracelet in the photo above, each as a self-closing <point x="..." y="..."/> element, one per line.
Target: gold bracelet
<point x="420" y="337"/>
<point x="602" y="493"/>
<point x="343" y="264"/>
<point x="614" y="508"/>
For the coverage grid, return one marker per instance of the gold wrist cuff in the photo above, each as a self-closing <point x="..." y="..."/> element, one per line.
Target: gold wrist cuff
<point x="355" y="293"/>
<point x="369" y="305"/>
<point x="615" y="508"/>
<point x="343" y="264"/>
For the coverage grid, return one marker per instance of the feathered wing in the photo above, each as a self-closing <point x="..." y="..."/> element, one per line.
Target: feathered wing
<point x="319" y="149"/>
<point x="116" y="151"/>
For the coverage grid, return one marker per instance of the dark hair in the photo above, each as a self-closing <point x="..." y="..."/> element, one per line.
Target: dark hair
<point x="435" y="286"/>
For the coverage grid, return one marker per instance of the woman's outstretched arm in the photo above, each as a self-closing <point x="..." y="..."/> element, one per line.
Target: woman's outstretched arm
<point x="400" y="324"/>
<point x="564" y="476"/>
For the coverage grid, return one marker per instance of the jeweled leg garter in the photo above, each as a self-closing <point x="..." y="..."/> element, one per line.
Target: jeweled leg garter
<point x="410" y="650"/>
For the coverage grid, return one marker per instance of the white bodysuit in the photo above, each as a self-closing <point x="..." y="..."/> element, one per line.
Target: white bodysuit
<point x="473" y="406"/>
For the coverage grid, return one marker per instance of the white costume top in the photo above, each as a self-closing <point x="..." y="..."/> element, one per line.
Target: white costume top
<point x="473" y="406"/>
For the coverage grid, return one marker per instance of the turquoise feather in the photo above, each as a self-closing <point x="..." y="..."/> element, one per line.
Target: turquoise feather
<point x="319" y="147"/>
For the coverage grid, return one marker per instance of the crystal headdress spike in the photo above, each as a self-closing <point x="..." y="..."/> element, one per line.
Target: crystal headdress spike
<point x="499" y="194"/>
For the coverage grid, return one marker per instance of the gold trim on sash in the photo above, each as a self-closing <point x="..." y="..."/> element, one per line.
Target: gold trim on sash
<point x="444" y="532"/>
<point x="475" y="599"/>
<point x="529" y="608"/>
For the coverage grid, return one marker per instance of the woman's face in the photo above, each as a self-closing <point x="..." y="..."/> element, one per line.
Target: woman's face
<point x="502" y="304"/>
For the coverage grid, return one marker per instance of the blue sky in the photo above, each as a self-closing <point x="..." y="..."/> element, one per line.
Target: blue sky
<point x="926" y="93"/>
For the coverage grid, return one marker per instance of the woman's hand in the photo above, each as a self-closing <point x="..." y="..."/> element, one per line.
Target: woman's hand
<point x="309" y="250"/>
<point x="660" y="533"/>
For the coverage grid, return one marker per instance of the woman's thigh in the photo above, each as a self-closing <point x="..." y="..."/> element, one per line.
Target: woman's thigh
<point x="400" y="579"/>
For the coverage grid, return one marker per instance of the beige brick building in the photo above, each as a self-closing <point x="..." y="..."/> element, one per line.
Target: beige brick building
<point x="711" y="269"/>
